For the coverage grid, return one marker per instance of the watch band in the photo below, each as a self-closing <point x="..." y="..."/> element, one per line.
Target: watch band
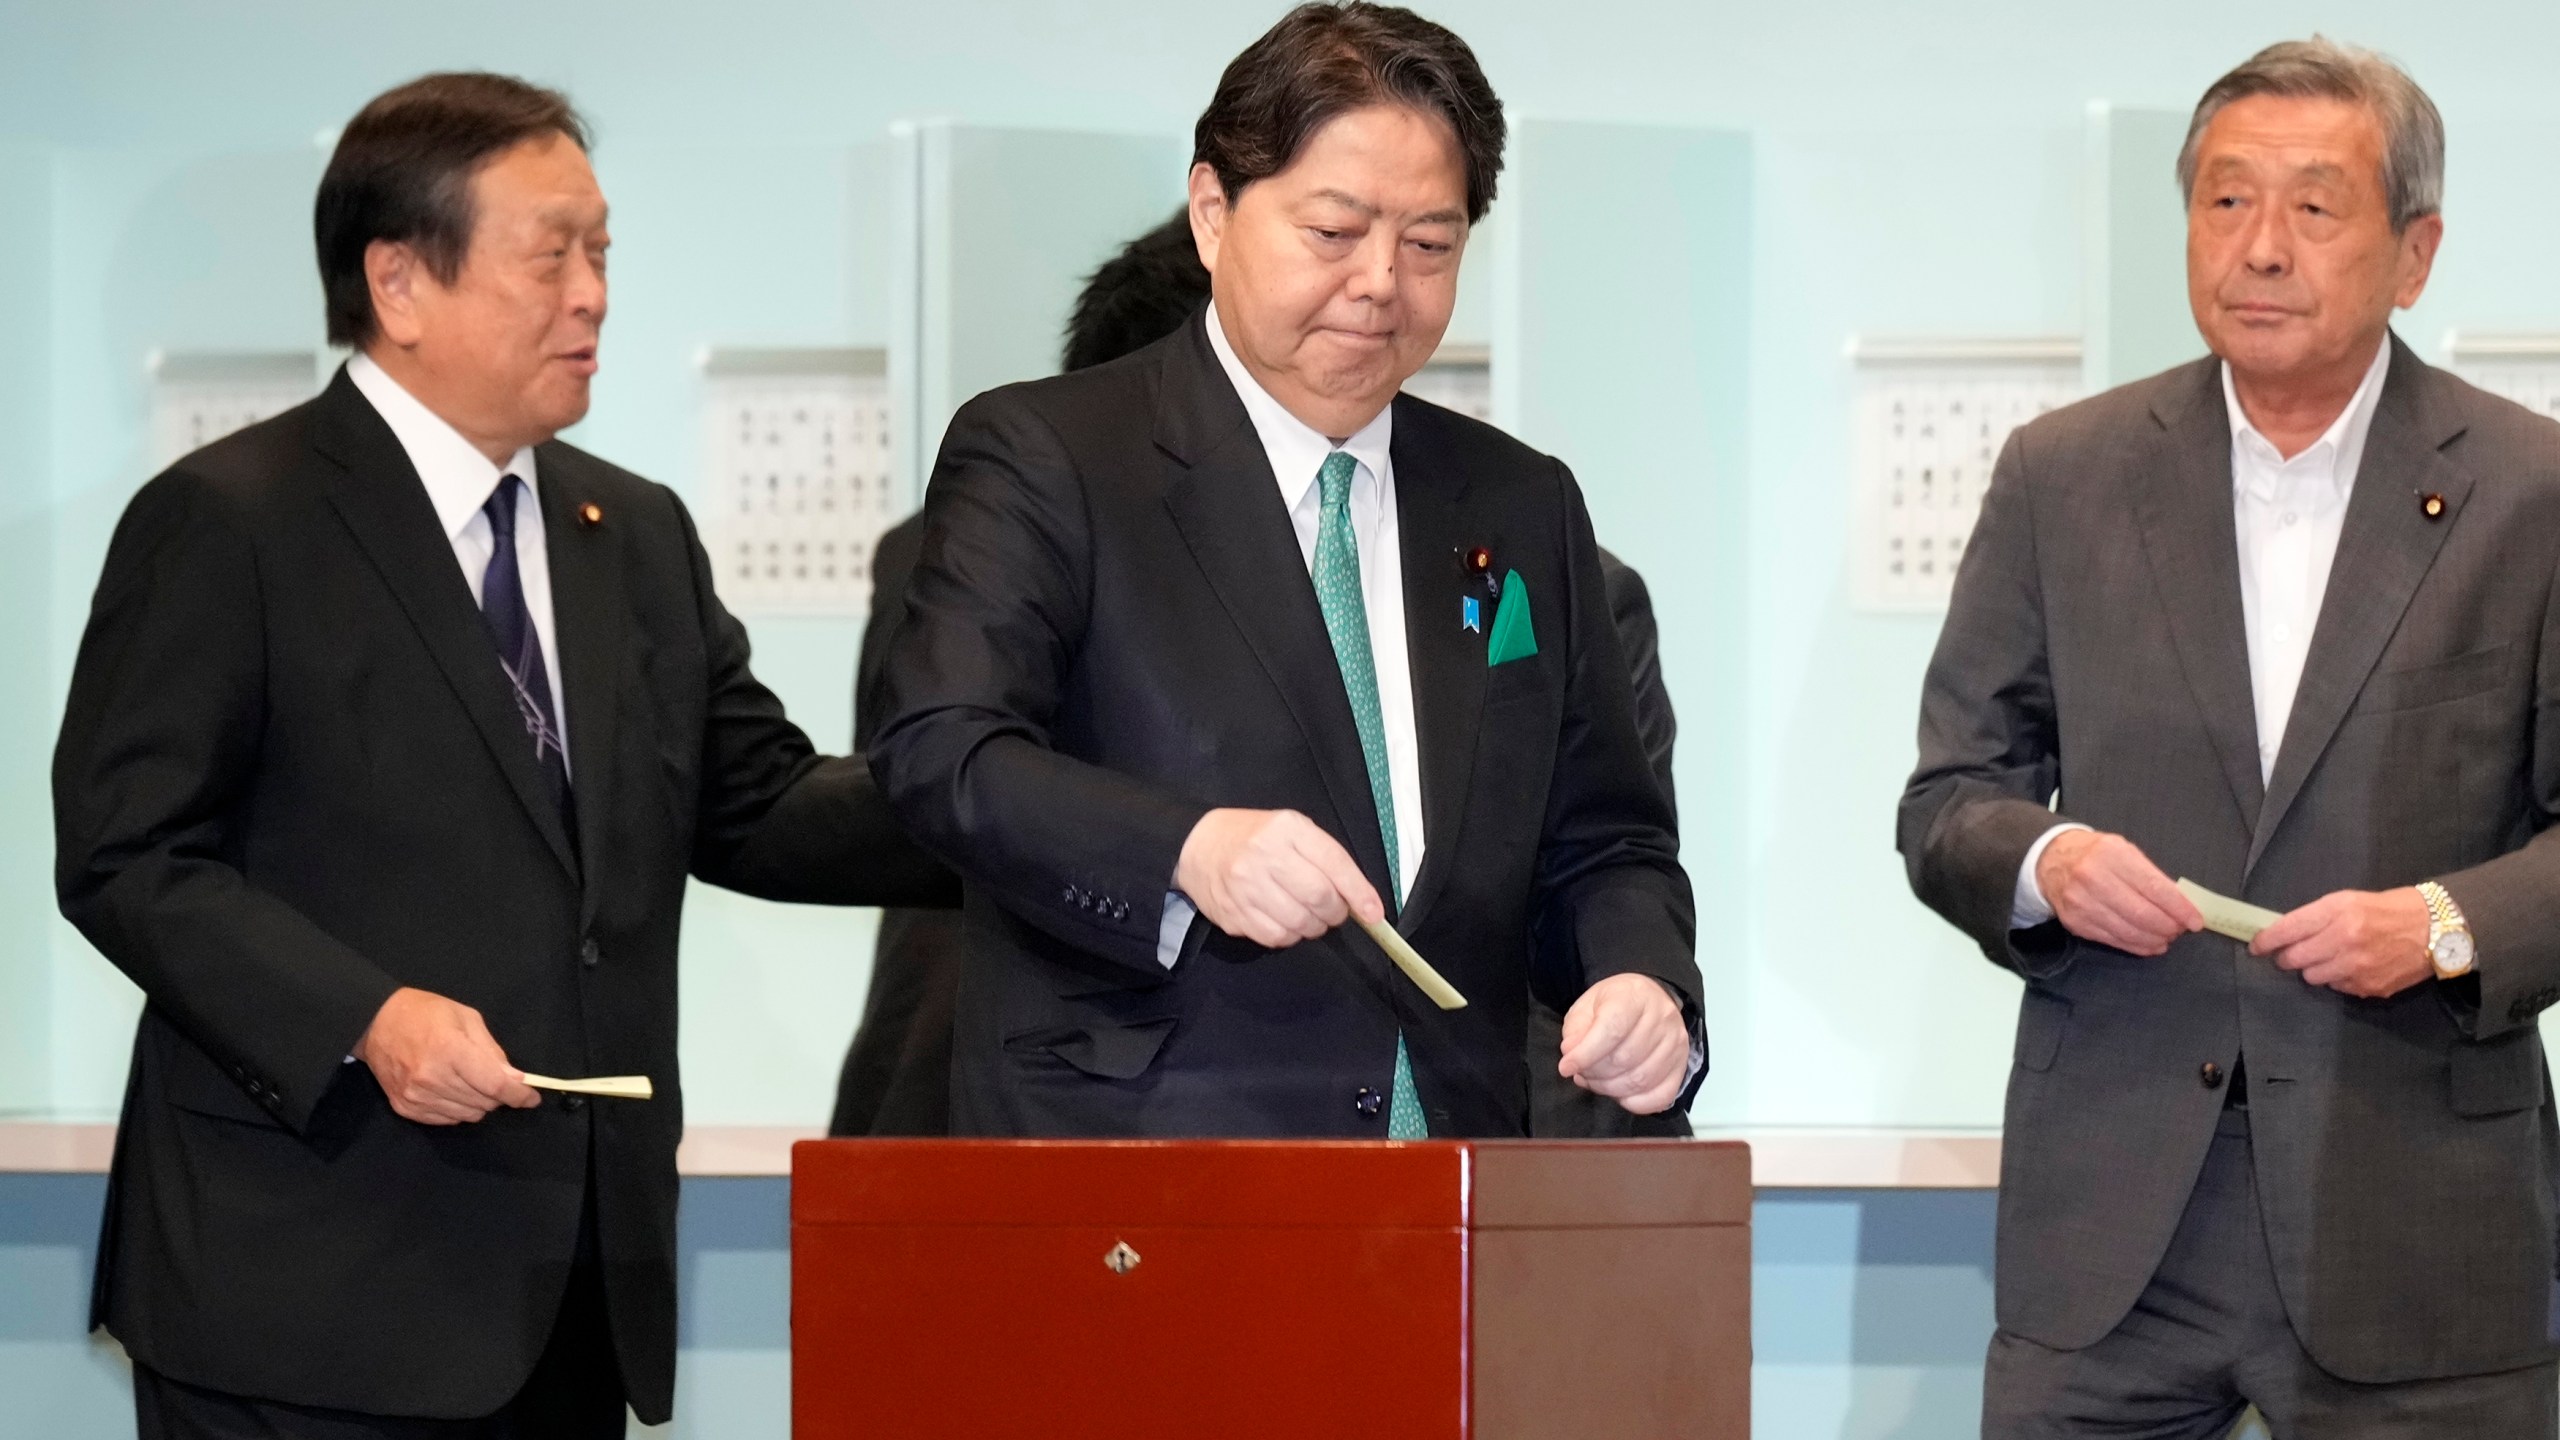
<point x="2447" y="915"/>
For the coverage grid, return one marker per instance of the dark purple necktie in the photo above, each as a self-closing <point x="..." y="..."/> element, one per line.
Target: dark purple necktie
<point x="520" y="645"/>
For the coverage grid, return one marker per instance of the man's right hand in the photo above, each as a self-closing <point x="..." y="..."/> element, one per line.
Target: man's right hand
<point x="1272" y="877"/>
<point x="2104" y="889"/>
<point x="437" y="1062"/>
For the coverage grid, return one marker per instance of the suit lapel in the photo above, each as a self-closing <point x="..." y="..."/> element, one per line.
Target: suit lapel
<point x="1227" y="505"/>
<point x="382" y="501"/>
<point x="2191" y="540"/>
<point x="1448" y="663"/>
<point x="587" y="616"/>
<point x="2385" y="546"/>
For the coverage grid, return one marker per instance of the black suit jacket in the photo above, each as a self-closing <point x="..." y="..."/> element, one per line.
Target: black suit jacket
<point x="897" y="1072"/>
<point x="1558" y="1108"/>
<point x="1111" y="631"/>
<point x="290" y="780"/>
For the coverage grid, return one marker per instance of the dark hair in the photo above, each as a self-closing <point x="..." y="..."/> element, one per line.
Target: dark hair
<point x="1323" y="60"/>
<point x="402" y="171"/>
<point x="1139" y="296"/>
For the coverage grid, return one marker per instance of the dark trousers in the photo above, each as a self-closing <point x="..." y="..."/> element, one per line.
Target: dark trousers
<point x="2210" y="1337"/>
<point x="574" y="1393"/>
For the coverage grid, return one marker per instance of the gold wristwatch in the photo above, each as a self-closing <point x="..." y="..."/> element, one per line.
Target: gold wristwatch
<point x="2448" y="935"/>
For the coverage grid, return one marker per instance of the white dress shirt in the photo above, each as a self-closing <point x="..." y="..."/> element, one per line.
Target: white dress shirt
<point x="1297" y="452"/>
<point x="459" y="480"/>
<point x="2286" y="515"/>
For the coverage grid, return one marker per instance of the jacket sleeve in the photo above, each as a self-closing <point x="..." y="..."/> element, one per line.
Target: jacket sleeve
<point x="1610" y="888"/>
<point x="776" y="819"/>
<point x="1989" y="756"/>
<point x="996" y="613"/>
<point x="2512" y="903"/>
<point x="159" y="750"/>
<point x="1631" y="613"/>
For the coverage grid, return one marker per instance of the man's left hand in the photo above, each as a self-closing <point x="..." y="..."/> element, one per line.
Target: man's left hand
<point x="1625" y="1039"/>
<point x="2365" y="943"/>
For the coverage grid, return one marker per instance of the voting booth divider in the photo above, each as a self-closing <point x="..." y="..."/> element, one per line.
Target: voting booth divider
<point x="1440" y="1290"/>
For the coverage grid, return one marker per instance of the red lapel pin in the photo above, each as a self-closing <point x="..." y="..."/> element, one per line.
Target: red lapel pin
<point x="2431" y="505"/>
<point x="590" y="515"/>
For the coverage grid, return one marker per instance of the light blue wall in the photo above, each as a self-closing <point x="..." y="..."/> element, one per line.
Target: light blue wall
<point x="26" y="557"/>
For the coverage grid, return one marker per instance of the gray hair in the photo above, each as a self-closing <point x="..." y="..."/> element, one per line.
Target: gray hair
<point x="2322" y="69"/>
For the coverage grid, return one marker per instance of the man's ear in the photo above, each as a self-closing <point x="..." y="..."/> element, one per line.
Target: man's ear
<point x="2418" y="246"/>
<point x="1208" y="214"/>
<point x="396" y="274"/>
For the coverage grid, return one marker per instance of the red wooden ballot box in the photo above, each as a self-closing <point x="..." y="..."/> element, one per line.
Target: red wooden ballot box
<point x="1059" y="1290"/>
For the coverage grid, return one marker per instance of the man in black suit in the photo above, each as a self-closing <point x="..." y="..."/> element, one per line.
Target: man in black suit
<point x="1208" y="644"/>
<point x="396" y="731"/>
<point x="897" y="1073"/>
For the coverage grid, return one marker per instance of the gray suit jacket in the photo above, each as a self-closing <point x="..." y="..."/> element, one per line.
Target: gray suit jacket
<point x="2405" y="1147"/>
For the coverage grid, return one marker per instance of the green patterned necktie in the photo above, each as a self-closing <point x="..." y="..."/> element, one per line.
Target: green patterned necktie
<point x="1346" y="619"/>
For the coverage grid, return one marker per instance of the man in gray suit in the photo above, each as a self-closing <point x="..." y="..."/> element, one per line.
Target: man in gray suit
<point x="2283" y="622"/>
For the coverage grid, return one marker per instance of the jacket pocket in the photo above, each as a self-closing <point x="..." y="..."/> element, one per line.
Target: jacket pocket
<point x="2042" y="1017"/>
<point x="2434" y="682"/>
<point x="1106" y="1052"/>
<point x="2497" y="1077"/>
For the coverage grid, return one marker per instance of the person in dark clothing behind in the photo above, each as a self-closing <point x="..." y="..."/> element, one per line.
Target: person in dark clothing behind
<point x="897" y="1075"/>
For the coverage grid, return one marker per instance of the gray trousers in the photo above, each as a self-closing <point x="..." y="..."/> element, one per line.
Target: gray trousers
<point x="2209" y="1338"/>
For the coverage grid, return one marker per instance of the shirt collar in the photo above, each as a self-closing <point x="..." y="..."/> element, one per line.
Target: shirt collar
<point x="2336" y="454"/>
<point x="1296" y="449"/>
<point x="459" y="479"/>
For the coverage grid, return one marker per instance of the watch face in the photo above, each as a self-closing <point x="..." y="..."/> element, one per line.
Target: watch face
<point x="2452" y="952"/>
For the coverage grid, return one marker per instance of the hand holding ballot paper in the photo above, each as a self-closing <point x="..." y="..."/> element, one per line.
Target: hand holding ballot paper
<point x="2103" y="888"/>
<point x="2357" y="942"/>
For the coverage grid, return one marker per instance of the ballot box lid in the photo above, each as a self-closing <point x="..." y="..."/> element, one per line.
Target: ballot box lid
<point x="1481" y="1185"/>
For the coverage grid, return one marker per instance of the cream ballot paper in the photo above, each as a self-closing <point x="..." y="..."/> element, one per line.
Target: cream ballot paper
<point x="2225" y="916"/>
<point x="620" y="1087"/>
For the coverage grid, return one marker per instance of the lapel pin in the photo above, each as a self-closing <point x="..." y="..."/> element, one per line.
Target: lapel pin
<point x="2431" y="505"/>
<point x="590" y="515"/>
<point x="1478" y="562"/>
<point x="1469" y="615"/>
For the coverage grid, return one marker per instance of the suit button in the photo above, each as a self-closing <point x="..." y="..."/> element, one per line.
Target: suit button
<point x="1119" y="909"/>
<point x="1067" y="896"/>
<point x="1368" y="1102"/>
<point x="573" y="1103"/>
<point x="2211" y="1075"/>
<point x="590" y="954"/>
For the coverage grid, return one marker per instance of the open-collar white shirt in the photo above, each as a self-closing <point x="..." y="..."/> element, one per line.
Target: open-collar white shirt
<point x="2287" y="516"/>
<point x="1297" y="452"/>
<point x="459" y="480"/>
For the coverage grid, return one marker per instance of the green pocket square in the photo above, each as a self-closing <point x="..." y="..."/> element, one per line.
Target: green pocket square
<point x="1514" y="637"/>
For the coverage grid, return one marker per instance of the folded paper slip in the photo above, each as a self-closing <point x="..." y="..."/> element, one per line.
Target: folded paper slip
<point x="619" y="1087"/>
<point x="1415" y="968"/>
<point x="2225" y="916"/>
